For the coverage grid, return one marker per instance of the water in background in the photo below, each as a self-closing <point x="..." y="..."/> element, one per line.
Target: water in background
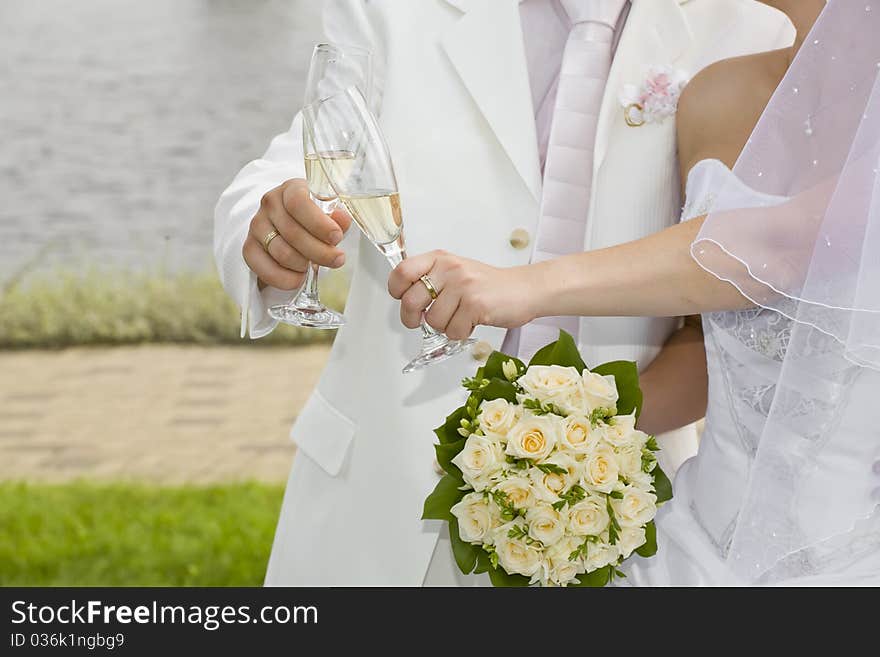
<point x="122" y="120"/>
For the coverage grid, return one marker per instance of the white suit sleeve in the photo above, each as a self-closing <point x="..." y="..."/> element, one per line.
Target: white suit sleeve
<point x="237" y="206"/>
<point x="345" y="21"/>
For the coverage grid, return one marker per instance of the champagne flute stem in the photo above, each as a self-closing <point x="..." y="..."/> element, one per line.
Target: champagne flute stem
<point x="309" y="291"/>
<point x="308" y="295"/>
<point x="429" y="333"/>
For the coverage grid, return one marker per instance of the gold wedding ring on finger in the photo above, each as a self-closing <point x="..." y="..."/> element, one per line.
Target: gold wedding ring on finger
<point x="268" y="239"/>
<point x="429" y="286"/>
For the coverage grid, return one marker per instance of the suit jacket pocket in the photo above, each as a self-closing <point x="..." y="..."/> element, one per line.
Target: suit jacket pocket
<point x="323" y="433"/>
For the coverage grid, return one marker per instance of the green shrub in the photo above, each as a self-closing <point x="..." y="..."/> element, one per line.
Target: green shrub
<point x="65" y="309"/>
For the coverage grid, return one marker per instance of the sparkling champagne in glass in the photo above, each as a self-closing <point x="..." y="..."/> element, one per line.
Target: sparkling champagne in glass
<point x="366" y="184"/>
<point x="332" y="69"/>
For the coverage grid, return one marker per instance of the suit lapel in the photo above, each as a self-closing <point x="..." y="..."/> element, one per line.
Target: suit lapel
<point x="486" y="48"/>
<point x="656" y="33"/>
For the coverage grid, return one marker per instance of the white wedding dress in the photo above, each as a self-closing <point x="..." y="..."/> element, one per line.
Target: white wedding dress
<point x="744" y="354"/>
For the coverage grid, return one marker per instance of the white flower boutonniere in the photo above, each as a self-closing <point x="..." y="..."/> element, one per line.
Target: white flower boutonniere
<point x="655" y="99"/>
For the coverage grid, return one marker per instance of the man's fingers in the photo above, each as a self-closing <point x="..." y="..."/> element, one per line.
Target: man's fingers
<point x="408" y="272"/>
<point x="265" y="267"/>
<point x="309" y="246"/>
<point x="302" y="210"/>
<point x="284" y="254"/>
<point x="342" y="218"/>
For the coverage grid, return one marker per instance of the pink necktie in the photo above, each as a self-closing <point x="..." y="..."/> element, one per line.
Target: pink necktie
<point x="568" y="172"/>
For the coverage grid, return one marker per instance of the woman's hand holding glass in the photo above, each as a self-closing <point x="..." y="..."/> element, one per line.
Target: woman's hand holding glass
<point x="469" y="294"/>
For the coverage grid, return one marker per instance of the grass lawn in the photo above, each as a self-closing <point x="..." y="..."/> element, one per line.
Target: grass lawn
<point x="84" y="534"/>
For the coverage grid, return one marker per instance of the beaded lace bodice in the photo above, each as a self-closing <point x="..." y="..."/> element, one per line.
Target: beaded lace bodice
<point x="745" y="351"/>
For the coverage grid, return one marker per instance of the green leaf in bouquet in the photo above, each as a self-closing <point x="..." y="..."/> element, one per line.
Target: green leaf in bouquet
<point x="662" y="485"/>
<point x="649" y="547"/>
<point x="596" y="579"/>
<point x="563" y="352"/>
<point x="508" y="510"/>
<point x="465" y="554"/>
<point x="502" y="579"/>
<point x="613" y="525"/>
<point x="446" y="495"/>
<point x="551" y="468"/>
<point x="484" y="562"/>
<point x="445" y="454"/>
<point x="448" y="432"/>
<point x="543" y="408"/>
<point x="626" y="376"/>
<point x="494" y="367"/>
<point x="571" y="497"/>
<point x="499" y="389"/>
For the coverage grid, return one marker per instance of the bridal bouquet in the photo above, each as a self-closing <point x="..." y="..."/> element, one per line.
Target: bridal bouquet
<point x="547" y="479"/>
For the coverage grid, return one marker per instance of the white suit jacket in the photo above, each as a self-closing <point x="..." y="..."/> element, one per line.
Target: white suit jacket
<point x="455" y="105"/>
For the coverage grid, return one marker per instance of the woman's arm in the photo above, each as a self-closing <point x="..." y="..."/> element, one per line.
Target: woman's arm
<point x="676" y="384"/>
<point x="655" y="276"/>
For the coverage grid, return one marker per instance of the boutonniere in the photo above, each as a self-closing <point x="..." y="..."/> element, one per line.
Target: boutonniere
<point x="655" y="99"/>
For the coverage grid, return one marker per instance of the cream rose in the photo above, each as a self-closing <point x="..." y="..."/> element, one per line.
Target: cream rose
<point x="498" y="416"/>
<point x="514" y="555"/>
<point x="630" y="539"/>
<point x="621" y="430"/>
<point x="559" y="570"/>
<point x="578" y="434"/>
<point x="599" y="391"/>
<point x="545" y="524"/>
<point x="474" y="518"/>
<point x="636" y="508"/>
<point x="642" y="480"/>
<point x="533" y="437"/>
<point x="548" y="486"/>
<point x="601" y="471"/>
<point x="600" y="555"/>
<point x="588" y="518"/>
<point x="478" y="461"/>
<point x="629" y="459"/>
<point x="553" y="384"/>
<point x="518" y="490"/>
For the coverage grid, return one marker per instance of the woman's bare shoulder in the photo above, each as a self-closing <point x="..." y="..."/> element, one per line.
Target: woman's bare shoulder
<point x="720" y="106"/>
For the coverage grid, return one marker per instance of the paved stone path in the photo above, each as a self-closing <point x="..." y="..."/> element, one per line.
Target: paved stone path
<point x="168" y="414"/>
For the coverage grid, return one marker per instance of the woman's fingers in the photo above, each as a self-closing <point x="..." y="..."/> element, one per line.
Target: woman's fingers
<point x="408" y="272"/>
<point x="461" y="325"/>
<point x="413" y="303"/>
<point x="443" y="308"/>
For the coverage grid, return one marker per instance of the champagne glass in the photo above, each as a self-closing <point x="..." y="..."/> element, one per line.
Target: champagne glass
<point x="366" y="184"/>
<point x="332" y="69"/>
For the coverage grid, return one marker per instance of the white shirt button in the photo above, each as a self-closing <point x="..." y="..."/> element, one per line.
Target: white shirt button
<point x="520" y="238"/>
<point x="481" y="350"/>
